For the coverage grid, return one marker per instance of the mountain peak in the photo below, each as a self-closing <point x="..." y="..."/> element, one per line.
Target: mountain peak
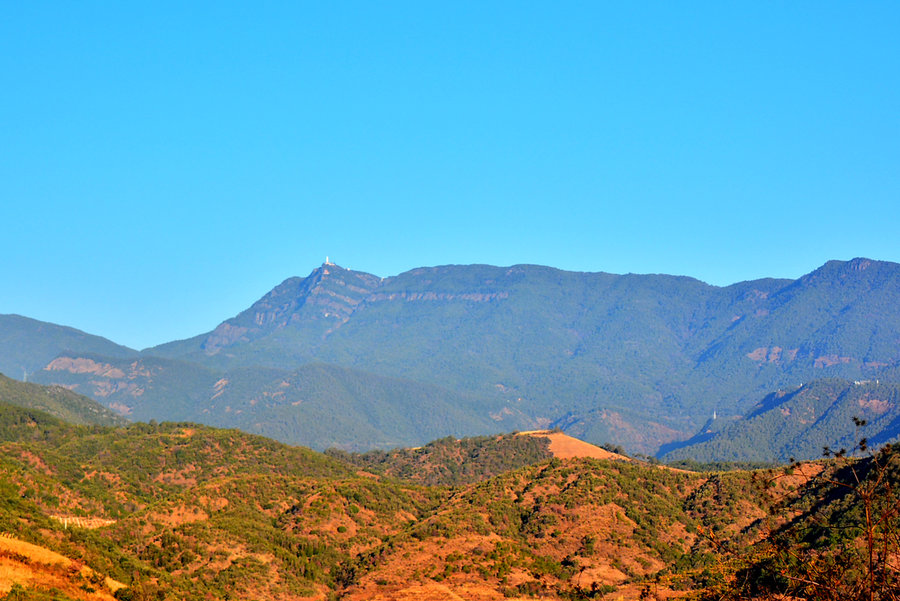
<point x="856" y="264"/>
<point x="327" y="268"/>
<point x="327" y="297"/>
<point x="331" y="268"/>
<point x="860" y="274"/>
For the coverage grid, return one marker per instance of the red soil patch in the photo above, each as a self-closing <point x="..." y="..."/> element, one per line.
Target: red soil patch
<point x="563" y="446"/>
<point x="830" y="361"/>
<point x="36" y="462"/>
<point x="85" y="366"/>
<point x="875" y="405"/>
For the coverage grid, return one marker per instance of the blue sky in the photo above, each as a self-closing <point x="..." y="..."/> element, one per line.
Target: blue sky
<point x="163" y="165"/>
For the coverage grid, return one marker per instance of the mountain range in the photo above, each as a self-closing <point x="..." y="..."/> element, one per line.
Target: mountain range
<point x="350" y="360"/>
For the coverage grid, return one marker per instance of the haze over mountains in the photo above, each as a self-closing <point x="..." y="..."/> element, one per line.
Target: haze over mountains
<point x="348" y="359"/>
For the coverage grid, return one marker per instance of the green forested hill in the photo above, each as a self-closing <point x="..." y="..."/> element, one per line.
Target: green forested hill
<point x="450" y="461"/>
<point x="799" y="423"/>
<point x="27" y="345"/>
<point x="57" y="401"/>
<point x="316" y="405"/>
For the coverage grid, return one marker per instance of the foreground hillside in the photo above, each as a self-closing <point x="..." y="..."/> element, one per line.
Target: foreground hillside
<point x="175" y="511"/>
<point x="181" y="510"/>
<point x="347" y="359"/>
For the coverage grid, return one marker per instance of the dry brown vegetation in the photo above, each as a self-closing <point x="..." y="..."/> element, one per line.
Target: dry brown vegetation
<point x="28" y="565"/>
<point x="185" y="512"/>
<point x="563" y="446"/>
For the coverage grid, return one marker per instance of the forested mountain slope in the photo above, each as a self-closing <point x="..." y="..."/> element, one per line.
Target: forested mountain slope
<point x="27" y="345"/>
<point x="315" y="405"/>
<point x="799" y="423"/>
<point x="57" y="401"/>
<point x="635" y="360"/>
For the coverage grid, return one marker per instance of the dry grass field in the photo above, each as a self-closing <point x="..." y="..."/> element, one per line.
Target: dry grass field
<point x="29" y="565"/>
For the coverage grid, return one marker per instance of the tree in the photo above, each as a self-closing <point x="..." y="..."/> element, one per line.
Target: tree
<point x="840" y="539"/>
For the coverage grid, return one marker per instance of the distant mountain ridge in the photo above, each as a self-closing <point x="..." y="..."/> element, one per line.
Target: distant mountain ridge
<point x="27" y="345"/>
<point x="58" y="402"/>
<point x="635" y="360"/>
<point x="800" y="423"/>
<point x="314" y="405"/>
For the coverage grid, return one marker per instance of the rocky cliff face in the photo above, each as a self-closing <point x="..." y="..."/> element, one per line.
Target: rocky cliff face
<point x="326" y="298"/>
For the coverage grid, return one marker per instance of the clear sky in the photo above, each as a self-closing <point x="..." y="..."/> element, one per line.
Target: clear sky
<point x="164" y="164"/>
